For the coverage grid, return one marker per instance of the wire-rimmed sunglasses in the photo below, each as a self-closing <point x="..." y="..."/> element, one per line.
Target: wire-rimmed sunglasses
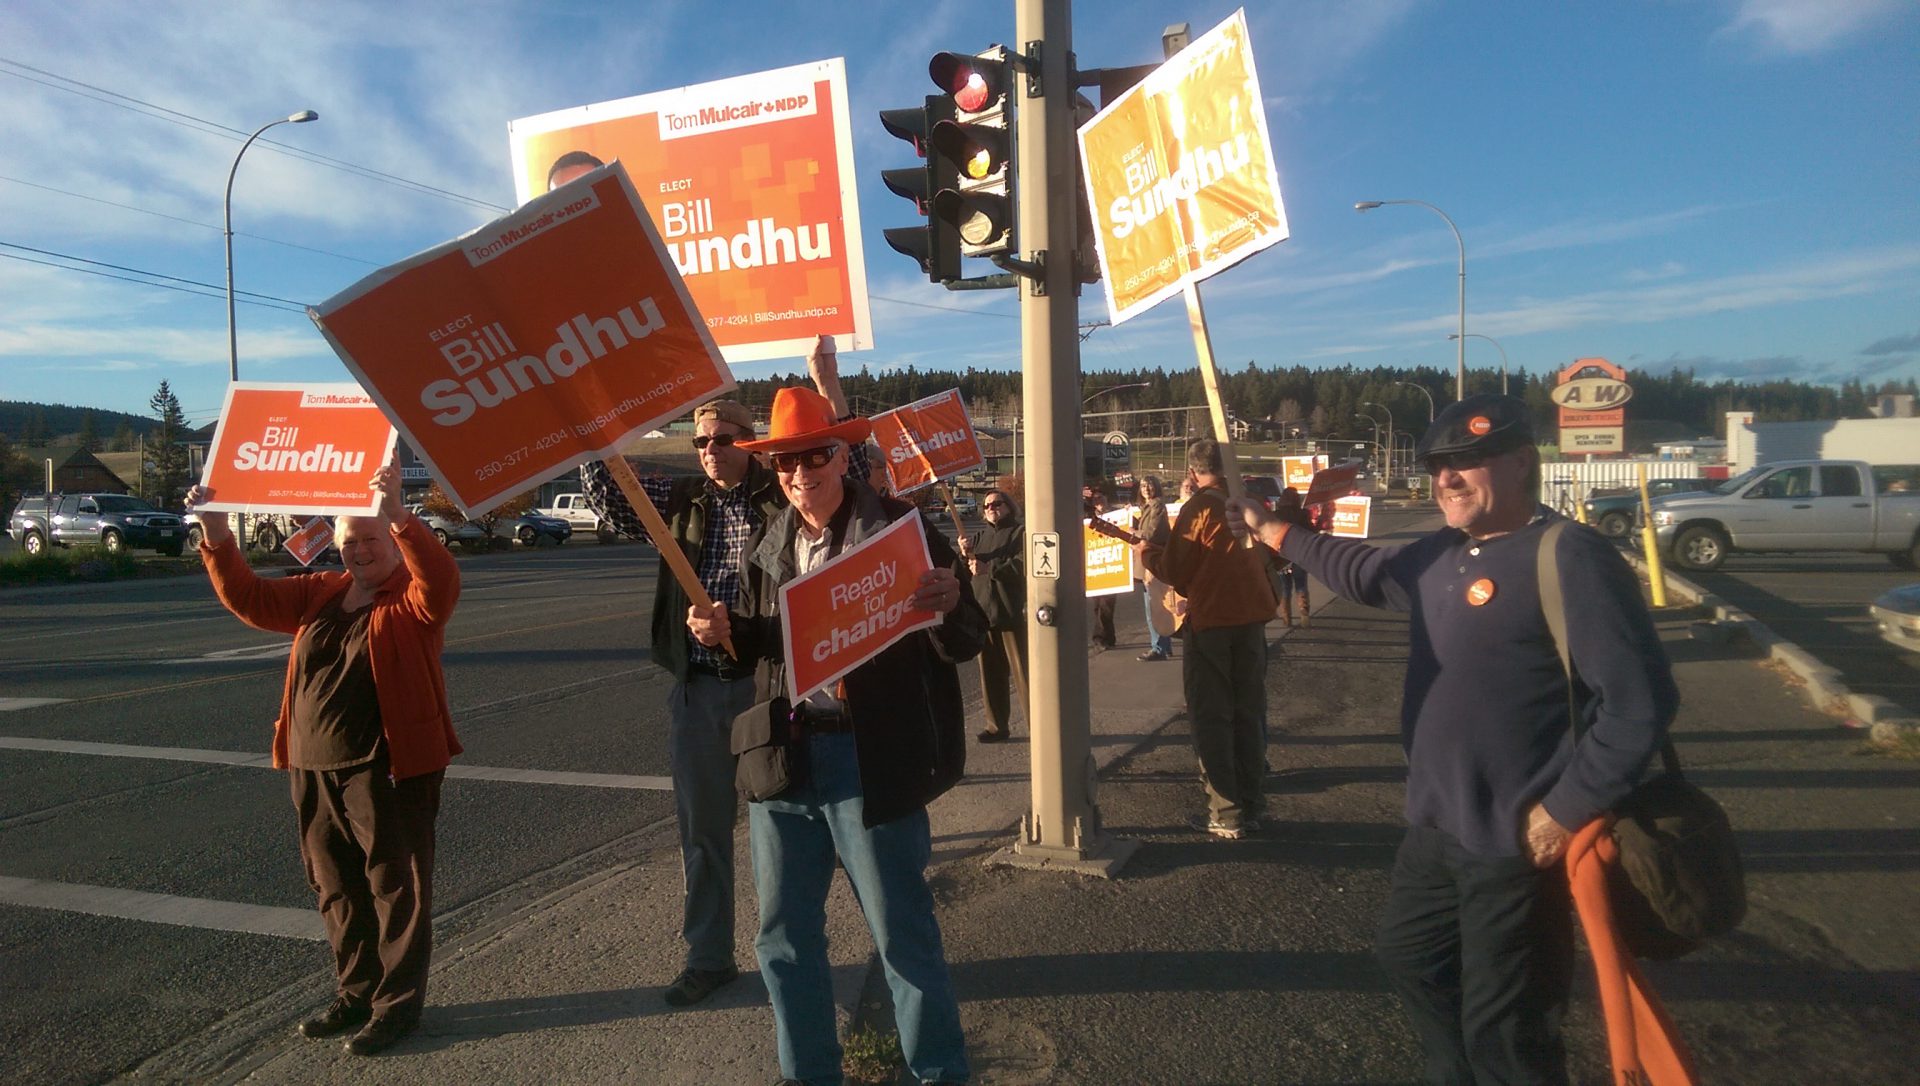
<point x="1460" y="461"/>
<point x="790" y="462"/>
<point x="701" y="441"/>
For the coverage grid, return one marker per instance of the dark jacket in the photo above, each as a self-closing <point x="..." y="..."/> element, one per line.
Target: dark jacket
<point x="908" y="721"/>
<point x="1000" y="585"/>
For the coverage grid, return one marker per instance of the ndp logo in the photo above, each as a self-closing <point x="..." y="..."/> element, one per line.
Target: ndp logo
<point x="503" y="372"/>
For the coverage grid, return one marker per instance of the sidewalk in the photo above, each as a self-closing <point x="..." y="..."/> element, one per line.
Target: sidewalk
<point x="1206" y="960"/>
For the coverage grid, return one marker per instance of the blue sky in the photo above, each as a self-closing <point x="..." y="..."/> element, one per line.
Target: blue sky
<point x="1727" y="185"/>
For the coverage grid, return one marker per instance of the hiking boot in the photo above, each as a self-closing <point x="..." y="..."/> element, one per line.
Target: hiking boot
<point x="341" y="1015"/>
<point x="381" y="1034"/>
<point x="695" y="985"/>
<point x="1223" y="830"/>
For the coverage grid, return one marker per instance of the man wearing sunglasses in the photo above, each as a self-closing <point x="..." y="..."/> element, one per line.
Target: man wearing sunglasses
<point x="710" y="517"/>
<point x="997" y="560"/>
<point x="878" y="747"/>
<point x="1477" y="932"/>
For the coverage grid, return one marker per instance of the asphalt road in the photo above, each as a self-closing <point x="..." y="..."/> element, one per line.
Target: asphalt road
<point x="546" y="668"/>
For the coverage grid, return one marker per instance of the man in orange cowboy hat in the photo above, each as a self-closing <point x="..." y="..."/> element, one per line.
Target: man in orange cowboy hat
<point x="877" y="748"/>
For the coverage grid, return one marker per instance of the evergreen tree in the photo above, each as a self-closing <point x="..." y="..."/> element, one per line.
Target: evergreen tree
<point x="35" y="434"/>
<point x="89" y="433"/>
<point x="122" y="437"/>
<point x="166" y="458"/>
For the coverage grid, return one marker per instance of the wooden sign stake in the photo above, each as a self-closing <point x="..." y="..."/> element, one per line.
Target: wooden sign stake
<point x="669" y="548"/>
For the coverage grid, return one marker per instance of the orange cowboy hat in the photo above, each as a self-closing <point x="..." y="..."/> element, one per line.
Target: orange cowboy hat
<point x="803" y="419"/>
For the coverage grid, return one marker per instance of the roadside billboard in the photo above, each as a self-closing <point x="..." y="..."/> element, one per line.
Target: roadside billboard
<point x="530" y="345"/>
<point x="1180" y="175"/>
<point x="848" y="611"/>
<point x="1591" y="395"/>
<point x="927" y="440"/>
<point x="750" y="181"/>
<point x="300" y="449"/>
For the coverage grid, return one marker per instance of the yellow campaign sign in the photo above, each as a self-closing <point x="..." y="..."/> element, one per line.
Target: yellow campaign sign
<point x="1109" y="560"/>
<point x="1180" y="173"/>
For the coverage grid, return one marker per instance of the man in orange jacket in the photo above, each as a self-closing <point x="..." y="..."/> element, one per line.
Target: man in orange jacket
<point x="365" y="735"/>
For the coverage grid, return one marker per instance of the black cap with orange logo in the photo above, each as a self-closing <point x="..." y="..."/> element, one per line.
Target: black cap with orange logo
<point x="1486" y="424"/>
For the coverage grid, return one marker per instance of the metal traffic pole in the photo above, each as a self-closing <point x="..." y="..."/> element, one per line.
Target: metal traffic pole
<point x="1062" y="830"/>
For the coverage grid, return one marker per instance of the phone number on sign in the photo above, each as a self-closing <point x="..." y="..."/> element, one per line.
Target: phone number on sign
<point x="521" y="455"/>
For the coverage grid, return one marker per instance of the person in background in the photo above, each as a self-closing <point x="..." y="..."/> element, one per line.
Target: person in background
<point x="1293" y="578"/>
<point x="1100" y="608"/>
<point x="997" y="560"/>
<point x="365" y="735"/>
<point x="1152" y="525"/>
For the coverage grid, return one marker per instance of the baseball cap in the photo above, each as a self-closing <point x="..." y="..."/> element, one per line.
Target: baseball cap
<point x="1485" y="424"/>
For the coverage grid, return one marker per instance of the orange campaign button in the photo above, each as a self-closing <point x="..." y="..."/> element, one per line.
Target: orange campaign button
<point x="1479" y="592"/>
<point x="1480" y="424"/>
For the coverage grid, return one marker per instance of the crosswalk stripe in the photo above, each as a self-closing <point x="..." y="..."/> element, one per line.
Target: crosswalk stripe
<point x="629" y="781"/>
<point x="8" y="705"/>
<point x="186" y="912"/>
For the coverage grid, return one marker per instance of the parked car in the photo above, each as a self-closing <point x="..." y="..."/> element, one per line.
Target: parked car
<point x="530" y="528"/>
<point x="449" y="531"/>
<point x="1796" y="506"/>
<point x="268" y="530"/>
<point x="573" y="509"/>
<point x="1897" y="613"/>
<point x="1615" y="510"/>
<point x="966" y="505"/>
<point x="116" y="522"/>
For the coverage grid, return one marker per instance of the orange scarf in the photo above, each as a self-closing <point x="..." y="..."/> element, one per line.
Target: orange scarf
<point x="1641" y="1040"/>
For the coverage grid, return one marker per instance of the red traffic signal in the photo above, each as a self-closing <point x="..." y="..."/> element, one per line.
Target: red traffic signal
<point x="977" y="84"/>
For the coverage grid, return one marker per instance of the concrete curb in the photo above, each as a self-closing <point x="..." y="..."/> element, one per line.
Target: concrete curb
<point x="1827" y="690"/>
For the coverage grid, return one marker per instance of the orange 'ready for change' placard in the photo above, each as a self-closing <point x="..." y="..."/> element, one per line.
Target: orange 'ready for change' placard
<point x="532" y="344"/>
<point x="845" y="613"/>
<point x="302" y="449"/>
<point x="927" y="440"/>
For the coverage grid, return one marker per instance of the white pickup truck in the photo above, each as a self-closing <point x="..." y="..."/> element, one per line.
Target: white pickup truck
<point x="573" y="509"/>
<point x="1796" y="505"/>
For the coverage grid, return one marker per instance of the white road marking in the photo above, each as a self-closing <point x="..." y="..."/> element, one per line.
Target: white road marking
<point x="250" y="759"/>
<point x="8" y="705"/>
<point x="228" y="656"/>
<point x="186" y="912"/>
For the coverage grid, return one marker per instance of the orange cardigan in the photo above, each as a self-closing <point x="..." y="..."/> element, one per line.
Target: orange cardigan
<point x="1641" y="1040"/>
<point x="405" y="634"/>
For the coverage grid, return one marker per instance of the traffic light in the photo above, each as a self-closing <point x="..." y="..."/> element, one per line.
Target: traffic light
<point x="977" y="143"/>
<point x="935" y="245"/>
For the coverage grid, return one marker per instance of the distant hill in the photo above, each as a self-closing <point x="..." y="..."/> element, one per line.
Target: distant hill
<point x="64" y="421"/>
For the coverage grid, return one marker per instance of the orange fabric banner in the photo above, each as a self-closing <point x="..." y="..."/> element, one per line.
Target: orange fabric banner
<point x="1180" y="175"/>
<point x="284" y="448"/>
<point x="846" y="612"/>
<point x="530" y="345"/>
<point x="927" y="440"/>
<point x="311" y="541"/>
<point x="1352" y="516"/>
<point x="1642" y="1041"/>
<point x="750" y="181"/>
<point x="1109" y="560"/>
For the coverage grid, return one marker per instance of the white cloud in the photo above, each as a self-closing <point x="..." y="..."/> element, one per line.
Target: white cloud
<point x="1667" y="270"/>
<point x="1802" y="27"/>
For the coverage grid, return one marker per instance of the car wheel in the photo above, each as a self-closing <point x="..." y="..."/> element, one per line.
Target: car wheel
<point x="195" y="536"/>
<point x="1615" y="525"/>
<point x="34" y="543"/>
<point x="172" y="550"/>
<point x="441" y="535"/>
<point x="269" y="538"/>
<point x="113" y="541"/>
<point x="1909" y="558"/>
<point x="528" y="537"/>
<point x="1702" y="549"/>
<point x="604" y="534"/>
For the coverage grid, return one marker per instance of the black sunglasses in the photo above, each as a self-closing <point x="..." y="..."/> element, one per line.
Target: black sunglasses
<point x="1460" y="461"/>
<point x="790" y="462"/>
<point x="723" y="440"/>
<point x="998" y="505"/>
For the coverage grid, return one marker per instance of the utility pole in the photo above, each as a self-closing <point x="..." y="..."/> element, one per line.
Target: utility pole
<point x="1063" y="827"/>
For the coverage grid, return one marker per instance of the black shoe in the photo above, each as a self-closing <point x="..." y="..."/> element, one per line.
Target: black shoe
<point x="380" y="1035"/>
<point x="1153" y="654"/>
<point x="991" y="736"/>
<point x="339" y="1017"/>
<point x="695" y="985"/>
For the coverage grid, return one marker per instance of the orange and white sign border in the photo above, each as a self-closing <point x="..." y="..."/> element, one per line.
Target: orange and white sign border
<point x="853" y="656"/>
<point x="341" y="392"/>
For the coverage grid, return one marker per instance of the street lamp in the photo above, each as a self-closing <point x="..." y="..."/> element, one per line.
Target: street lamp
<point x="1423" y="392"/>
<point x="1503" y="356"/>
<point x="1389" y="411"/>
<point x="1116" y="388"/>
<point x="233" y="346"/>
<point x="1460" y="357"/>
<point x="1376" y="430"/>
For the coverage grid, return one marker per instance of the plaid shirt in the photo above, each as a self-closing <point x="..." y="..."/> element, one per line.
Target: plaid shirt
<point x="731" y="519"/>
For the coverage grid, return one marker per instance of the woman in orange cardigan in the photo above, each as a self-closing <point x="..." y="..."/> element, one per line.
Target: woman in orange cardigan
<point x="365" y="735"/>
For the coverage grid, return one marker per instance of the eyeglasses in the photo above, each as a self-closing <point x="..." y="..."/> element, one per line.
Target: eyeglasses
<point x="998" y="505"/>
<point x="790" y="462"/>
<point x="1460" y="461"/>
<point x="723" y="440"/>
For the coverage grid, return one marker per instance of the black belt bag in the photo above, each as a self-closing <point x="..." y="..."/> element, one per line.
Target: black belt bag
<point x="770" y="750"/>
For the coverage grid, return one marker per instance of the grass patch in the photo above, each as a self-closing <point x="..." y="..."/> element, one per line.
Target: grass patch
<point x="1904" y="745"/>
<point x="870" y="1057"/>
<point x="67" y="566"/>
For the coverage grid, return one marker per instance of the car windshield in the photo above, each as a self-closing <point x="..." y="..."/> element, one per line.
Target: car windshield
<point x="122" y="503"/>
<point x="1734" y="484"/>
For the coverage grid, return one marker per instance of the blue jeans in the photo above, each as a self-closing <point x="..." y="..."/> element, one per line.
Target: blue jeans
<point x="795" y="839"/>
<point x="1160" y="643"/>
<point x="706" y="807"/>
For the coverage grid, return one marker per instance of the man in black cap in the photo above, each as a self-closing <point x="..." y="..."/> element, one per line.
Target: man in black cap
<point x="1477" y="932"/>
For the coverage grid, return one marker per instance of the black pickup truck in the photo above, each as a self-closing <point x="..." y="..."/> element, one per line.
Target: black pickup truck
<point x="115" y="522"/>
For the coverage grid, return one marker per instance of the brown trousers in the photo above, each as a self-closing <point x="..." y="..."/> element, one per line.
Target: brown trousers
<point x="367" y="843"/>
<point x="1003" y="661"/>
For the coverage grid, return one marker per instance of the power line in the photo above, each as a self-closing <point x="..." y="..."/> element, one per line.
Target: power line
<point x="202" y="124"/>
<point x="145" y="282"/>
<point x="189" y="222"/>
<point x="143" y="271"/>
<point x="944" y="308"/>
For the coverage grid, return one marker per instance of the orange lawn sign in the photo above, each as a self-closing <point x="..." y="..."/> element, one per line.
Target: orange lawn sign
<point x="1352" y="516"/>
<point x="532" y="344"/>
<point x="1109" y="560"/>
<point x="843" y="614"/>
<point x="1297" y="471"/>
<point x="1180" y="175"/>
<point x="750" y="180"/>
<point x="311" y="541"/>
<point x="308" y="449"/>
<point x="927" y="440"/>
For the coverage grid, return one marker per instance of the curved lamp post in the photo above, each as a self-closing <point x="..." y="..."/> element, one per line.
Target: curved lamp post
<point x="1503" y="356"/>
<point x="1423" y="392"/>
<point x="1460" y="356"/>
<point x="233" y="346"/>
<point x="1389" y="411"/>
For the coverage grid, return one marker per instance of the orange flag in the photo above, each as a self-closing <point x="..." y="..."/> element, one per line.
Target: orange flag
<point x="1641" y="1040"/>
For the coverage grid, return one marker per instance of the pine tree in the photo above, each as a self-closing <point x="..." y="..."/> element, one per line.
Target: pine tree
<point x="166" y="457"/>
<point x="35" y="434"/>
<point x="122" y="437"/>
<point x="89" y="433"/>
